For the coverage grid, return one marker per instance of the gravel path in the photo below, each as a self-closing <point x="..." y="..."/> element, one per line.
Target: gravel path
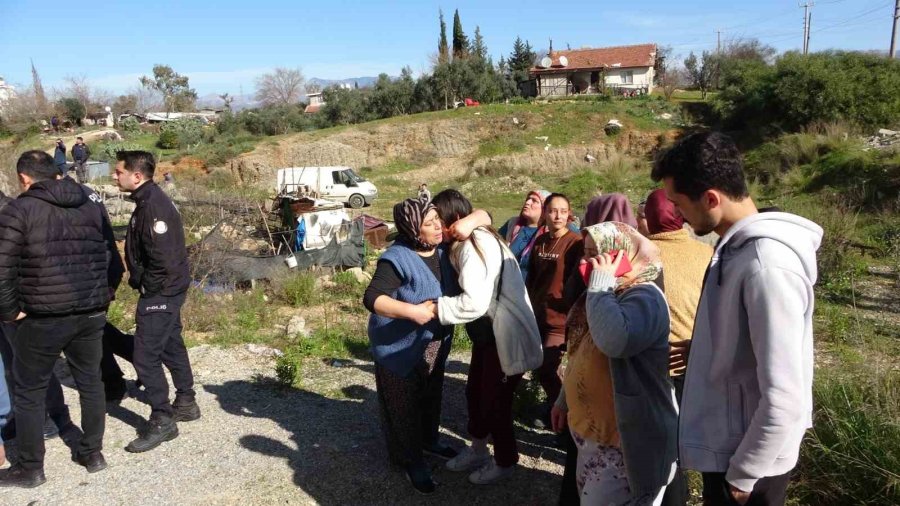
<point x="260" y="444"/>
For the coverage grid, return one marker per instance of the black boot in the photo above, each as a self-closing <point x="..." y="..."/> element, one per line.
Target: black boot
<point x="16" y="476"/>
<point x="158" y="431"/>
<point x="93" y="462"/>
<point x="186" y="410"/>
<point x="50" y="428"/>
<point x="420" y="477"/>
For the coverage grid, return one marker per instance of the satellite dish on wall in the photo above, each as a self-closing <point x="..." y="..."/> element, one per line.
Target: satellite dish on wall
<point x="546" y="62"/>
<point x="563" y="61"/>
<point x="107" y="109"/>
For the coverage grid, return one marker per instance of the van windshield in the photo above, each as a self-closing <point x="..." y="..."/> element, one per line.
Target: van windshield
<point x="353" y="176"/>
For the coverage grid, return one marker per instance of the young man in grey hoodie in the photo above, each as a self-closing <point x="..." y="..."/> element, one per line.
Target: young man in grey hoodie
<point x="748" y="387"/>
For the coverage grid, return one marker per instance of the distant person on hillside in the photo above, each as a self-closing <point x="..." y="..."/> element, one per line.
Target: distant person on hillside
<point x="424" y="193"/>
<point x="54" y="123"/>
<point x="59" y="157"/>
<point x="684" y="262"/>
<point x="80" y="155"/>
<point x="748" y="396"/>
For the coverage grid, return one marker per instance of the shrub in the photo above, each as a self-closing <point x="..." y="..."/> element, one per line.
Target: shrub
<point x="297" y="290"/>
<point x="130" y="125"/>
<point x="168" y="139"/>
<point x="108" y="151"/>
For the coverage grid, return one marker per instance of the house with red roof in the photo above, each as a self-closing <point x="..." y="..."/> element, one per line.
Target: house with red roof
<point x="627" y="69"/>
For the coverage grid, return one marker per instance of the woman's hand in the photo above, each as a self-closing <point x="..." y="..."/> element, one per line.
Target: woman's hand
<point x="678" y="355"/>
<point x="558" y="418"/>
<point x="422" y="313"/>
<point x="462" y="229"/>
<point x="606" y="263"/>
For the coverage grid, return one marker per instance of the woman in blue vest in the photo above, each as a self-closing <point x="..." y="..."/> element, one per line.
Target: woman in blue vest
<point x="409" y="345"/>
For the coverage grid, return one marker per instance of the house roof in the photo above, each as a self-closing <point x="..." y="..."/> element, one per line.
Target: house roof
<point x="640" y="55"/>
<point x="312" y="108"/>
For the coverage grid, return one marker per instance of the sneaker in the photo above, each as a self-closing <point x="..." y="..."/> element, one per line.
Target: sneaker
<point x="157" y="432"/>
<point x="50" y="429"/>
<point x="16" y="476"/>
<point x="420" y="477"/>
<point x="186" y="411"/>
<point x="490" y="473"/>
<point x="93" y="462"/>
<point x="468" y="459"/>
<point x="116" y="390"/>
<point x="440" y="451"/>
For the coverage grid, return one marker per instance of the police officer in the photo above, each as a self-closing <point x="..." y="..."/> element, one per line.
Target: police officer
<point x="55" y="272"/>
<point x="158" y="268"/>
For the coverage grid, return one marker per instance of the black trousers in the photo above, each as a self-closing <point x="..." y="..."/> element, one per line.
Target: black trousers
<point x="769" y="491"/>
<point x="158" y="342"/>
<point x="38" y="343"/>
<point x="677" y="492"/>
<point x="115" y="342"/>
<point x="55" y="402"/>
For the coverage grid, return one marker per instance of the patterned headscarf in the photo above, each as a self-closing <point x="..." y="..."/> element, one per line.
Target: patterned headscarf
<point x="646" y="264"/>
<point x="609" y="207"/>
<point x="408" y="217"/>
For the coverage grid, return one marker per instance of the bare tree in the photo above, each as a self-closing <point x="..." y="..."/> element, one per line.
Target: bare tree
<point x="146" y="99"/>
<point x="313" y="88"/>
<point x="282" y="86"/>
<point x="79" y="88"/>
<point x="227" y="99"/>
<point x="668" y="75"/>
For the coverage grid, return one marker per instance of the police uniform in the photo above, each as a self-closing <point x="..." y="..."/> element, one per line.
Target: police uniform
<point x="157" y="261"/>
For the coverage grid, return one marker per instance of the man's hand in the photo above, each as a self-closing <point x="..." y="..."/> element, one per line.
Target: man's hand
<point x="21" y="316"/>
<point x="422" y="313"/>
<point x="558" y="418"/>
<point x="2" y="454"/>
<point x="678" y="355"/>
<point x="738" y="495"/>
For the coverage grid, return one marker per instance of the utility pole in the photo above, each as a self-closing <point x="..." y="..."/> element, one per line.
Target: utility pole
<point x="893" y="53"/>
<point x="806" y="7"/>
<point x="808" y="30"/>
<point x="718" y="41"/>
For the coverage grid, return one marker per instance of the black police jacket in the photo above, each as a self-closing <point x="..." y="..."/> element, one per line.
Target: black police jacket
<point x="57" y="252"/>
<point x="155" y="254"/>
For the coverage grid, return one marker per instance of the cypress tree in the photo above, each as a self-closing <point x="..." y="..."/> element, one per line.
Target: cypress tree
<point x="460" y="41"/>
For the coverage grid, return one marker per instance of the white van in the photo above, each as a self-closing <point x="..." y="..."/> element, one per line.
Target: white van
<point x="340" y="184"/>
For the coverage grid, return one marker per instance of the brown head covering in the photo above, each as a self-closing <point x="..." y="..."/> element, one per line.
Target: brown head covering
<point x="408" y="217"/>
<point x="661" y="214"/>
<point x="609" y="207"/>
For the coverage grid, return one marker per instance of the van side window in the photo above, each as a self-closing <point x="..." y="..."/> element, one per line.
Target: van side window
<point x="338" y="177"/>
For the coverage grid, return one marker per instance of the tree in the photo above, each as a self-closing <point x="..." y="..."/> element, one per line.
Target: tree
<point x="667" y="75"/>
<point x="282" y="86"/>
<point x="443" y="49"/>
<point x="701" y="74"/>
<point x="460" y="41"/>
<point x="72" y="109"/>
<point x="227" y="99"/>
<point x="521" y="60"/>
<point x="125" y="104"/>
<point x="478" y="49"/>
<point x="313" y="88"/>
<point x="174" y="88"/>
<point x="38" y="89"/>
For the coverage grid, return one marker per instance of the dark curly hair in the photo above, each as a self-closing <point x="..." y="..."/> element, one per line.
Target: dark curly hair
<point x="704" y="161"/>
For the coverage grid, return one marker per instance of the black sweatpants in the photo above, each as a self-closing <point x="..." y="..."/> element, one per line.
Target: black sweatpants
<point x="38" y="343"/>
<point x="158" y="341"/>
<point x="769" y="491"/>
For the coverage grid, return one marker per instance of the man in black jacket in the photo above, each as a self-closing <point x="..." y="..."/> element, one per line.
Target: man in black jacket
<point x="80" y="155"/>
<point x="158" y="268"/>
<point x="54" y="279"/>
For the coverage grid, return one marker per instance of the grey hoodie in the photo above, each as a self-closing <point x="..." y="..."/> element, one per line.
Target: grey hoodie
<point x="748" y="390"/>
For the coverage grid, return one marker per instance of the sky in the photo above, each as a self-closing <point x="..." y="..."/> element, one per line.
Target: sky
<point x="223" y="45"/>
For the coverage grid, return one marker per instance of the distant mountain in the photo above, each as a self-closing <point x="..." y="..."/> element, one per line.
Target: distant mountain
<point x="247" y="101"/>
<point x="363" y="82"/>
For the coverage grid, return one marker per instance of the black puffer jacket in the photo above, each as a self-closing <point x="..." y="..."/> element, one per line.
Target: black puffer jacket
<point x="54" y="252"/>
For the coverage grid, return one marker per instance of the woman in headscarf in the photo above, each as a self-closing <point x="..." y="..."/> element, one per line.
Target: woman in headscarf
<point x="617" y="399"/>
<point x="409" y="346"/>
<point x="506" y="342"/>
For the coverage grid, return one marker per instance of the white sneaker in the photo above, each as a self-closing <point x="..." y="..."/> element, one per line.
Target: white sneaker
<point x="468" y="459"/>
<point x="490" y="473"/>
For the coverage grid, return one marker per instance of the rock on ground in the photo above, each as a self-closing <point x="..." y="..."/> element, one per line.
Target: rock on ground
<point x="258" y="443"/>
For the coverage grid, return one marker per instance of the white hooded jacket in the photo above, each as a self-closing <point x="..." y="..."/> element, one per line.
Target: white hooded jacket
<point x="748" y="390"/>
<point x="515" y="327"/>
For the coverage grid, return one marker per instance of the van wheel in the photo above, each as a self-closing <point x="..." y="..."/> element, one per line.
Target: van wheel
<point x="357" y="201"/>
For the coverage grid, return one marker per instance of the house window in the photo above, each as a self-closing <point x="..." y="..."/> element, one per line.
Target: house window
<point x="627" y="77"/>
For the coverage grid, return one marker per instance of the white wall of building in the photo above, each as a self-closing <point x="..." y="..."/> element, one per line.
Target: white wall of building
<point x="639" y="77"/>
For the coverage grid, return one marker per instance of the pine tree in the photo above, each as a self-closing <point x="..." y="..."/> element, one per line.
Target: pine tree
<point x="478" y="49"/>
<point x="39" y="96"/>
<point x="522" y="57"/>
<point x="460" y="41"/>
<point x="443" y="49"/>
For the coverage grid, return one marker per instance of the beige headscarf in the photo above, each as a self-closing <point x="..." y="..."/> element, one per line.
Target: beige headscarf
<point x="610" y="236"/>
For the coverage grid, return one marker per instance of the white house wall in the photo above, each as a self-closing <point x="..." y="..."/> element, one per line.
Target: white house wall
<point x="643" y="77"/>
